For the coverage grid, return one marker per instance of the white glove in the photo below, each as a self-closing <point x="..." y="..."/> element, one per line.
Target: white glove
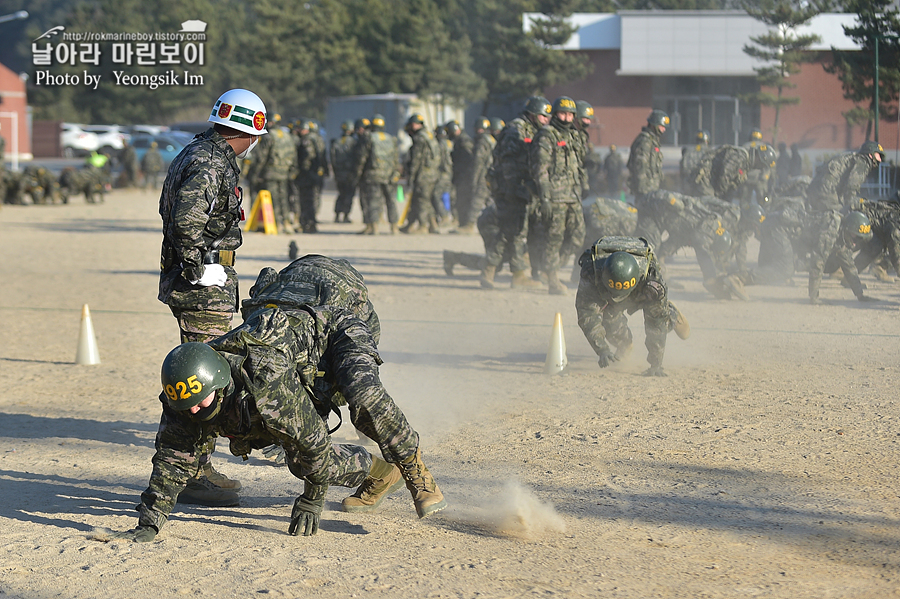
<point x="213" y="276"/>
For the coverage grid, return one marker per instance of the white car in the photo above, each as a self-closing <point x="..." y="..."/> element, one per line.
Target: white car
<point x="75" y="141"/>
<point x="112" y="138"/>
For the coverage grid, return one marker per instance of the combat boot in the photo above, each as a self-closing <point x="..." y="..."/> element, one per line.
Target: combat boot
<point x="369" y="230"/>
<point x="449" y="262"/>
<point x="681" y="327"/>
<point x="554" y="284"/>
<point x="393" y="228"/>
<point x="433" y="227"/>
<point x="425" y="492"/>
<point x="736" y="287"/>
<point x="200" y="491"/>
<point x="521" y="280"/>
<point x="487" y="276"/>
<point x="383" y="479"/>
<point x="219" y="479"/>
<point x="881" y="274"/>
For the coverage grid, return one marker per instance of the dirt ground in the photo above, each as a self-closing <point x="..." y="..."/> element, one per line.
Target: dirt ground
<point x="763" y="466"/>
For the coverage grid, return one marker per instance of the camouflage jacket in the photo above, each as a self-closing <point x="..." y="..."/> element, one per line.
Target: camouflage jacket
<point x="513" y="152"/>
<point x="555" y="163"/>
<point x="604" y="217"/>
<point x="462" y="156"/>
<point x="282" y="155"/>
<point x="884" y="216"/>
<point x="377" y="158"/>
<point x="273" y="358"/>
<point x="152" y="162"/>
<point x="645" y="163"/>
<point x="314" y="280"/>
<point x="719" y="172"/>
<point x="424" y="159"/>
<point x="445" y="172"/>
<point x="342" y="156"/>
<point x="649" y="295"/>
<point x="482" y="159"/>
<point x="613" y="165"/>
<point x="690" y="157"/>
<point x="312" y="163"/>
<point x="837" y="182"/>
<point x="200" y="208"/>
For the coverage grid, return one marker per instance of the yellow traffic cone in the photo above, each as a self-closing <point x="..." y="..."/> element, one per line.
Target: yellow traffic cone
<point x="556" y="355"/>
<point x="87" y="343"/>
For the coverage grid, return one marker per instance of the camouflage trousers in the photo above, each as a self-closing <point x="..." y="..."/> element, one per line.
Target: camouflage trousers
<point x="564" y="231"/>
<point x="465" y="199"/>
<point x="346" y="189"/>
<point x="374" y="197"/>
<point x="819" y="239"/>
<point x="658" y="321"/>
<point x="421" y="210"/>
<point x="310" y="200"/>
<point x="441" y="209"/>
<point x="510" y="242"/>
<point x="648" y="222"/>
<point x="199" y="326"/>
<point x="775" y="265"/>
<point x="281" y="204"/>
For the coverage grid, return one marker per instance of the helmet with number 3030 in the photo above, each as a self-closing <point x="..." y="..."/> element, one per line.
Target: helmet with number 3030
<point x="620" y="274"/>
<point x="191" y="372"/>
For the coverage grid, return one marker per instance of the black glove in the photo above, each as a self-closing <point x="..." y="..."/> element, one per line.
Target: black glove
<point x="606" y="358"/>
<point x="655" y="371"/>
<point x="141" y="534"/>
<point x="305" y="516"/>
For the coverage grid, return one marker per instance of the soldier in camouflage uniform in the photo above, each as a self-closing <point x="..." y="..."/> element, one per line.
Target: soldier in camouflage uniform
<point x="40" y="184"/>
<point x="832" y="240"/>
<point x="482" y="160"/>
<point x="885" y="219"/>
<point x="442" y="200"/>
<point x="557" y="174"/>
<point x="489" y="229"/>
<point x="759" y="178"/>
<point x="619" y="276"/>
<point x="343" y="151"/>
<point x="722" y="171"/>
<point x="152" y="165"/>
<point x="612" y="168"/>
<point x="200" y="208"/>
<point x="128" y="157"/>
<point x="377" y="163"/>
<point x="645" y="174"/>
<point x="592" y="165"/>
<point x="514" y="193"/>
<point x="463" y="163"/>
<point x="312" y="168"/>
<point x="690" y="156"/>
<point x="837" y="182"/>
<point x="422" y="172"/>
<point x="277" y="161"/>
<point x="778" y="233"/>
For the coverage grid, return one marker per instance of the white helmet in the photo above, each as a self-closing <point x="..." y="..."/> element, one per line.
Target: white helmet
<point x="241" y="110"/>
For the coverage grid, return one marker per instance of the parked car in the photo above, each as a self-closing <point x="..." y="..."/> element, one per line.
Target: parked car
<point x="169" y="144"/>
<point x="112" y="138"/>
<point x="75" y="141"/>
<point x="192" y="127"/>
<point x="135" y="130"/>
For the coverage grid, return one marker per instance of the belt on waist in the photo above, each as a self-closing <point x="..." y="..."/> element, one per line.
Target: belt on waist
<point x="223" y="257"/>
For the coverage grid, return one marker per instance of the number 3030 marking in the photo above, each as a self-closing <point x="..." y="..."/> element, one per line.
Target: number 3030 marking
<point x="180" y="389"/>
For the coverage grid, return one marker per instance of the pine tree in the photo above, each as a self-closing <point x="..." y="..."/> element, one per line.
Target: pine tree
<point x="781" y="49"/>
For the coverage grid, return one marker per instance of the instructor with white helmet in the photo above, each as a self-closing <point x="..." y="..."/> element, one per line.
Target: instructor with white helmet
<point x="201" y="212"/>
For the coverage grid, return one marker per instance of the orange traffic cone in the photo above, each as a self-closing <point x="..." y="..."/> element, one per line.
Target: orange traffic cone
<point x="87" y="343"/>
<point x="556" y="354"/>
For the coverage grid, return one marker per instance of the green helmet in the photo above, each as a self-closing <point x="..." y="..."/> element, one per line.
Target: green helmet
<point x="538" y="105"/>
<point x="362" y="123"/>
<point x="583" y="110"/>
<point x="858" y="226"/>
<point x="347" y="126"/>
<point x="703" y="137"/>
<point x="721" y="241"/>
<point x="191" y="372"/>
<point x="755" y="135"/>
<point x="564" y="104"/>
<point x="872" y="147"/>
<point x="483" y="123"/>
<point x="621" y="274"/>
<point x="452" y="128"/>
<point x="765" y="155"/>
<point x="414" y="119"/>
<point x="497" y="125"/>
<point x="752" y="214"/>
<point x="658" y="118"/>
<point x="377" y="122"/>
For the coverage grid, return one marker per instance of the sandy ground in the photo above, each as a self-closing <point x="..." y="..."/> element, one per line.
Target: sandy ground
<point x="763" y="466"/>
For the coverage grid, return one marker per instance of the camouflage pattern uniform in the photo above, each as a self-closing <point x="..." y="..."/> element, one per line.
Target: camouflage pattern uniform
<point x="557" y="174"/>
<point x="128" y="157"/>
<point x="482" y="159"/>
<point x="377" y="163"/>
<point x="605" y="217"/>
<point x="200" y="208"/>
<point x="463" y="164"/>
<point x="690" y="223"/>
<point x="644" y="177"/>
<point x="837" y="182"/>
<point x="759" y="180"/>
<point x="152" y="165"/>
<point x="273" y="356"/>
<point x="40" y="184"/>
<point x="885" y="219"/>
<point x="422" y="173"/>
<point x="777" y="236"/>
<point x="514" y="194"/>
<point x="601" y="319"/>
<point x="442" y="200"/>
<point x="275" y="172"/>
<point x="823" y="240"/>
<point x="690" y="158"/>
<point x="343" y="151"/>
<point x="612" y="167"/>
<point x="312" y="168"/>
<point x="719" y="172"/>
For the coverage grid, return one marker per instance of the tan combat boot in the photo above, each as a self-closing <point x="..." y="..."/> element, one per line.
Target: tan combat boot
<point x="681" y="328"/>
<point x="383" y="479"/>
<point x="425" y="492"/>
<point x="487" y="276"/>
<point x="449" y="262"/>
<point x="219" y="479"/>
<point x="556" y="287"/>
<point x="881" y="274"/>
<point x="369" y="230"/>
<point x="521" y="280"/>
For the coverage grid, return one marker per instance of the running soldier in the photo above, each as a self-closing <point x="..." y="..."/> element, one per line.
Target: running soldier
<point x="645" y="173"/>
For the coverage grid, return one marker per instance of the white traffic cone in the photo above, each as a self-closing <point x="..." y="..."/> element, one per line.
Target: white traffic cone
<point x="87" y="343"/>
<point x="556" y="354"/>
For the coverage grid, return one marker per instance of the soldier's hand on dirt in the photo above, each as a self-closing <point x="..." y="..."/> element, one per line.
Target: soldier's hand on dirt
<point x="655" y="371"/>
<point x="140" y="534"/>
<point x="213" y="276"/>
<point x="305" y="516"/>
<point x="606" y="358"/>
